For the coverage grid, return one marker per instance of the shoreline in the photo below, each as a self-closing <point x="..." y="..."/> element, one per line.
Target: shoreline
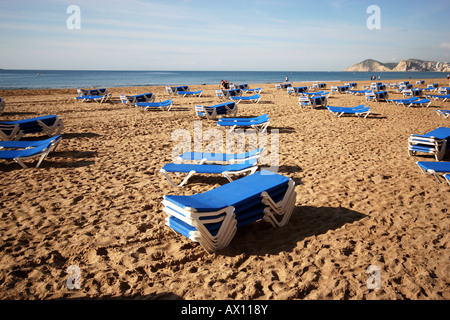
<point x="442" y="81"/>
<point x="238" y="74"/>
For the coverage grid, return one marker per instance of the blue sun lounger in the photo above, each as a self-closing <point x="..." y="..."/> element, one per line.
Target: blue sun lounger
<point x="163" y="105"/>
<point x="226" y="170"/>
<point x="421" y="103"/>
<point x="144" y="97"/>
<point x="438" y="97"/>
<point x="255" y="90"/>
<point x="260" y="123"/>
<point x="403" y="101"/>
<point x="213" y="217"/>
<point x="434" y="168"/>
<point x="50" y="125"/>
<point x="443" y="113"/>
<point x="435" y="142"/>
<point x="190" y="93"/>
<point x="22" y="150"/>
<point x="254" y="98"/>
<point x="92" y="92"/>
<point x="208" y="157"/>
<point x="97" y="95"/>
<point x="359" y="110"/>
<point x="96" y="98"/>
<point x="213" y="112"/>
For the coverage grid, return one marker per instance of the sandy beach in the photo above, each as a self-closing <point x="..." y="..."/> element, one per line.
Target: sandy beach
<point x="95" y="203"/>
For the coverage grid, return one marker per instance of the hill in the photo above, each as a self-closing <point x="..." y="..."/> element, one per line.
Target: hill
<point x="404" y="65"/>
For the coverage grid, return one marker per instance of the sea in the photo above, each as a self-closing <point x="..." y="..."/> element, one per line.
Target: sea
<point x="62" y="79"/>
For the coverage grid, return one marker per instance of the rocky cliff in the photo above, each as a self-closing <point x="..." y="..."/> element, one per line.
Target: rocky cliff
<point x="404" y="65"/>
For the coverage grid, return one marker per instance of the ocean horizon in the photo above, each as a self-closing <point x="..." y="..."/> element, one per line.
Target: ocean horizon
<point x="67" y="79"/>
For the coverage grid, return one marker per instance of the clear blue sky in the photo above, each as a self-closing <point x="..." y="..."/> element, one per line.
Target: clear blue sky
<point x="284" y="35"/>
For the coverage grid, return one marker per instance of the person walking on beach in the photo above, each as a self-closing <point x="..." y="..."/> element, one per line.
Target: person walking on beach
<point x="287" y="79"/>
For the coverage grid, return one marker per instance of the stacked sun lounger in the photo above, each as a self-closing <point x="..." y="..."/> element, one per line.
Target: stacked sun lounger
<point x="213" y="217"/>
<point x="213" y="112"/>
<point x="50" y="125"/>
<point x="435" y="142"/>
<point x="97" y="95"/>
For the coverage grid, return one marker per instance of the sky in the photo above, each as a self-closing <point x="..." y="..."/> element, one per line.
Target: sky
<point x="242" y="35"/>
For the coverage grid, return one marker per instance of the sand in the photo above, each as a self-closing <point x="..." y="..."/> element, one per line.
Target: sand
<point x="95" y="203"/>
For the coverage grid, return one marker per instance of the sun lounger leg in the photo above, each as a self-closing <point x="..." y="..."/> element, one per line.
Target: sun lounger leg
<point x="164" y="172"/>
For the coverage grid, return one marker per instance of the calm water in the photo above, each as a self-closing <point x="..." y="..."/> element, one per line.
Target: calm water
<point x="54" y="79"/>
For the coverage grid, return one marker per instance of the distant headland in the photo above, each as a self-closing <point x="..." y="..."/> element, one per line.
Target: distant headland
<point x="402" y="66"/>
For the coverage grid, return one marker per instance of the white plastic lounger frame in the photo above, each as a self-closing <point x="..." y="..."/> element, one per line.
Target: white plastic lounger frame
<point x="447" y="178"/>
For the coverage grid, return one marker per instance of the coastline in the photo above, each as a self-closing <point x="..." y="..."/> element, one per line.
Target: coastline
<point x="96" y="203"/>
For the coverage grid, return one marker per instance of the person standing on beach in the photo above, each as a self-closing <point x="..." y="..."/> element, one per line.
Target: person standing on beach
<point x="287" y="79"/>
